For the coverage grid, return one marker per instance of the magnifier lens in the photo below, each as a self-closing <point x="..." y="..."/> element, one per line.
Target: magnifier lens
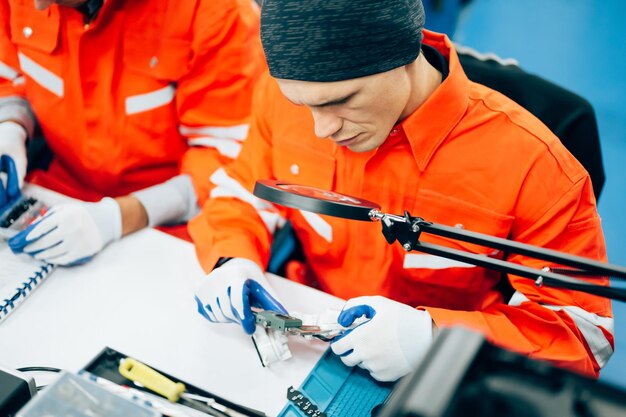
<point x="314" y="199"/>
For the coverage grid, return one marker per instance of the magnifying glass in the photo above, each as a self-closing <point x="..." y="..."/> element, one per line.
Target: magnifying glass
<point x="407" y="230"/>
<point x="316" y="200"/>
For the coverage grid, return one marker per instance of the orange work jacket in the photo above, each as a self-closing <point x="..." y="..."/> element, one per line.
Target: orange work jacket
<point x="468" y="157"/>
<point x="147" y="90"/>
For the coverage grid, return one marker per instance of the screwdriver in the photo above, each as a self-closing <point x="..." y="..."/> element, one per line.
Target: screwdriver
<point x="175" y="391"/>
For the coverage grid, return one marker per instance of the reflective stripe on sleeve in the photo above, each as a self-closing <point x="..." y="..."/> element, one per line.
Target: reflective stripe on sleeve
<point x="587" y="323"/>
<point x="41" y="75"/>
<point x="7" y="72"/>
<point x="149" y="101"/>
<point x="238" y="132"/>
<point x="226" y="186"/>
<point x="414" y="260"/>
<point x="226" y="147"/>
<point x="321" y="226"/>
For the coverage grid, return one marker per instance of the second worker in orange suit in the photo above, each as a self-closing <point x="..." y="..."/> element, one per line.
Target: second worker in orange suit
<point x="139" y="101"/>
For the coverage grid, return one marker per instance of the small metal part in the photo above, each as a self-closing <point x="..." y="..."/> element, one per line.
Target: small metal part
<point x="407" y="247"/>
<point x="276" y="321"/>
<point x="272" y="320"/>
<point x="539" y="281"/>
<point x="375" y="215"/>
<point x="303" y="403"/>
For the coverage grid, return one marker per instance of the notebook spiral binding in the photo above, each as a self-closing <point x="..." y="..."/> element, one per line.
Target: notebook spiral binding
<point x="9" y="304"/>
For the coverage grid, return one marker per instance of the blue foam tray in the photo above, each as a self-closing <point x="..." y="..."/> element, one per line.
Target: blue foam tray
<point x="339" y="390"/>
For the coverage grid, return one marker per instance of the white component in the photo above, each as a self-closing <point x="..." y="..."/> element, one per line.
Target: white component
<point x="271" y="345"/>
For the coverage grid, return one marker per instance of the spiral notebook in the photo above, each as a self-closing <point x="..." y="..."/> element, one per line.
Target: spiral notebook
<point x="19" y="277"/>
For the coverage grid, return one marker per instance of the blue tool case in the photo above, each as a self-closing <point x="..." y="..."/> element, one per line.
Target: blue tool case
<point x="336" y="390"/>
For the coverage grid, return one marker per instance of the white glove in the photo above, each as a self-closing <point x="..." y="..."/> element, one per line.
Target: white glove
<point x="71" y="234"/>
<point x="390" y="344"/>
<point x="230" y="290"/>
<point x="13" y="143"/>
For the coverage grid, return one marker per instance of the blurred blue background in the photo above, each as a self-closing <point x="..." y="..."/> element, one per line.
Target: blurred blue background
<point x="580" y="45"/>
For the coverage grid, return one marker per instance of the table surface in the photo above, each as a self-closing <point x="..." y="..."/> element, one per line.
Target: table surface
<point x="136" y="296"/>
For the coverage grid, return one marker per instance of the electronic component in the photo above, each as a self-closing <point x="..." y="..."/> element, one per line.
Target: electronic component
<point x="276" y="321"/>
<point x="303" y="403"/>
<point x="19" y="215"/>
<point x="270" y="336"/>
<point x="270" y="345"/>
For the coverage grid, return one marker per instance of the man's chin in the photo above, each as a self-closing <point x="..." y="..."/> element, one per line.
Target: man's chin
<point x="362" y="146"/>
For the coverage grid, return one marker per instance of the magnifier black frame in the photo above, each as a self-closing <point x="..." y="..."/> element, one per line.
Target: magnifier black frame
<point x="334" y="204"/>
<point x="407" y="229"/>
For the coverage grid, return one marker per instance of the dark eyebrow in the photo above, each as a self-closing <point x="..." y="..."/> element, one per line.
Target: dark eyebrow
<point x="342" y="100"/>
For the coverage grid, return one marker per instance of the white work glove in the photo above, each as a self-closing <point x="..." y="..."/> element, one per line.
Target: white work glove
<point x="13" y="143"/>
<point x="72" y="233"/>
<point x="229" y="291"/>
<point x="390" y="344"/>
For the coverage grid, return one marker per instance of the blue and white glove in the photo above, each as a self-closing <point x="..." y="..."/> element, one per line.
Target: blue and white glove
<point x="9" y="186"/>
<point x="13" y="144"/>
<point x="390" y="344"/>
<point x="229" y="291"/>
<point x="72" y="233"/>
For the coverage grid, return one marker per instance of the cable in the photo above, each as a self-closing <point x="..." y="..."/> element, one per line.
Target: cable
<point x="39" y="369"/>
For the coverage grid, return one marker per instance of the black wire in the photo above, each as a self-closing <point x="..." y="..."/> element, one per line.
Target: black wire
<point x="38" y="369"/>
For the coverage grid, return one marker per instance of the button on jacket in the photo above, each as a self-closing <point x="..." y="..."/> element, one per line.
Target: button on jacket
<point x="146" y="90"/>
<point x="468" y="157"/>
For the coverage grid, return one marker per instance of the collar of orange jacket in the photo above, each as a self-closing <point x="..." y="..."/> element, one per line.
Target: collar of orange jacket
<point x="428" y="126"/>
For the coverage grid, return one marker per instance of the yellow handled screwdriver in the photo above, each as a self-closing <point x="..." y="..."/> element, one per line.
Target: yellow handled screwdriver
<point x="174" y="391"/>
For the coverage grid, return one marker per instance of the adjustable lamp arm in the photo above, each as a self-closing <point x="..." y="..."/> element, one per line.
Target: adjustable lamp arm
<point x="407" y="230"/>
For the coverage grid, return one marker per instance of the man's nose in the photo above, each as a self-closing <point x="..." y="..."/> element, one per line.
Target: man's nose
<point x="326" y="123"/>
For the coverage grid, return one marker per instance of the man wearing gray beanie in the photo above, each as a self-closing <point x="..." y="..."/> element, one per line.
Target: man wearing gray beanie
<point x="363" y="101"/>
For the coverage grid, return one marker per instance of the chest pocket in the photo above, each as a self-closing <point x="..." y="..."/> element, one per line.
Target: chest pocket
<point x="303" y="165"/>
<point x="306" y="165"/>
<point x="36" y="35"/>
<point x="165" y="59"/>
<point x="152" y="68"/>
<point x="34" y="30"/>
<point x="439" y="281"/>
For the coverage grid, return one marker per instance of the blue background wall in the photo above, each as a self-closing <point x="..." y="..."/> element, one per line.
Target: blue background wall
<point x="581" y="45"/>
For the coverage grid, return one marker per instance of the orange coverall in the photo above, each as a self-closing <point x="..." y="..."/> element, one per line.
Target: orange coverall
<point x="468" y="157"/>
<point x="146" y="91"/>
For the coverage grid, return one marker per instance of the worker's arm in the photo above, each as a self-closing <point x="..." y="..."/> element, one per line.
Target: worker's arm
<point x="569" y="328"/>
<point x="213" y="102"/>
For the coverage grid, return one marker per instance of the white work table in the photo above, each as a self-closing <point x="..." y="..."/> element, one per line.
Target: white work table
<point x="136" y="296"/>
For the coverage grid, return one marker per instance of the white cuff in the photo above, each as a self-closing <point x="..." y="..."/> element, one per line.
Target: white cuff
<point x="17" y="109"/>
<point x="108" y="216"/>
<point x="171" y="202"/>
